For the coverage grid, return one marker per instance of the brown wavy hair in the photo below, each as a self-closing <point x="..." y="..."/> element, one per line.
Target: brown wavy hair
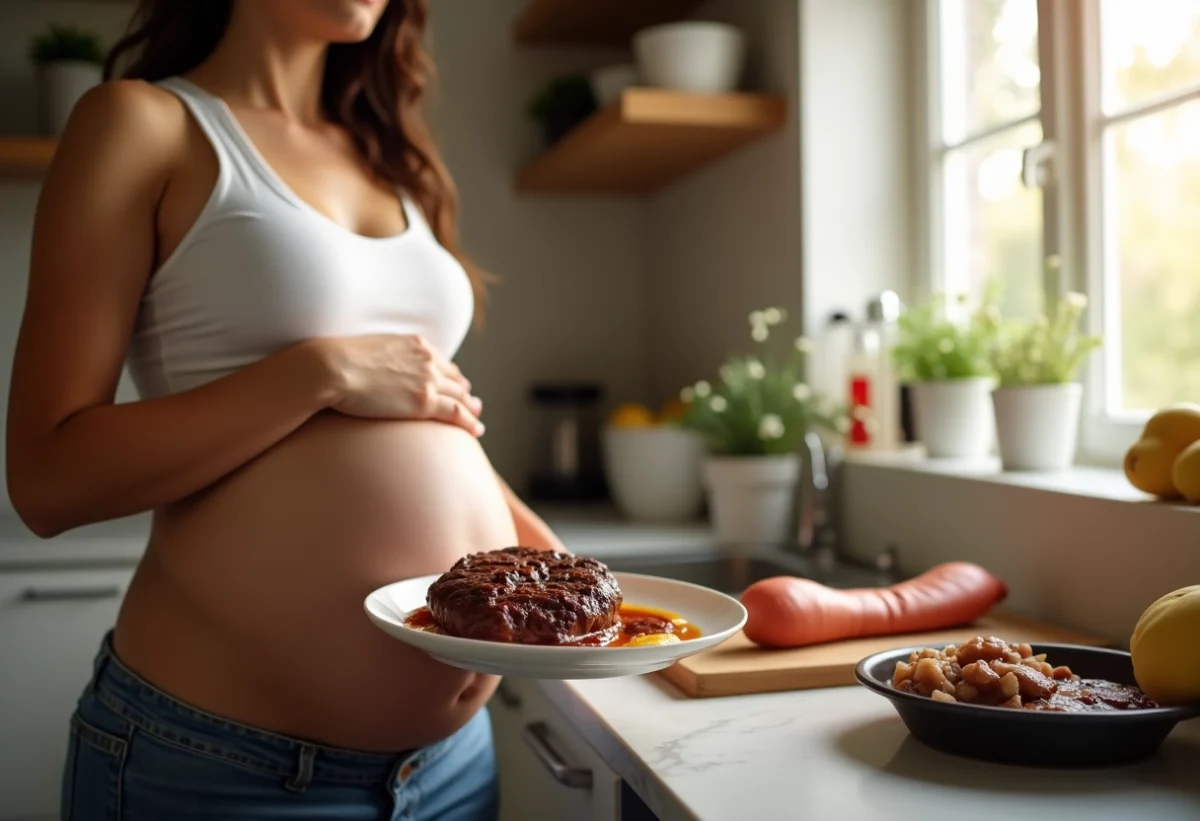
<point x="373" y="89"/>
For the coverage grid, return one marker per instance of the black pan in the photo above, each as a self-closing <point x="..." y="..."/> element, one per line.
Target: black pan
<point x="1029" y="737"/>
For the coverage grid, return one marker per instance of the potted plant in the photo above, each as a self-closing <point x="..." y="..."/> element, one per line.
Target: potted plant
<point x="69" y="62"/>
<point x="564" y="103"/>
<point x="943" y="352"/>
<point x="753" y="419"/>
<point x="1037" y="400"/>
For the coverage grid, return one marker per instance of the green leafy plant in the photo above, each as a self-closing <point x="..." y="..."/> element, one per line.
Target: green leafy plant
<point x="1050" y="349"/>
<point x="569" y="97"/>
<point x="760" y="404"/>
<point x="61" y="43"/>
<point x="934" y="345"/>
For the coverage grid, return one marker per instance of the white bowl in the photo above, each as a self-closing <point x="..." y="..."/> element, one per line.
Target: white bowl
<point x="608" y="82"/>
<point x="691" y="56"/>
<point x="717" y="615"/>
<point x="655" y="474"/>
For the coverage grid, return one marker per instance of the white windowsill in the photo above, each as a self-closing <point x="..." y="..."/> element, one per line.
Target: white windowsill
<point x="1081" y="480"/>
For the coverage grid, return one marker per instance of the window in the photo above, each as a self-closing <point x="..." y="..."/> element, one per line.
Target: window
<point x="1074" y="129"/>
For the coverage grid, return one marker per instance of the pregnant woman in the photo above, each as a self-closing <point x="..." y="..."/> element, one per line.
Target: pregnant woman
<point x="255" y="220"/>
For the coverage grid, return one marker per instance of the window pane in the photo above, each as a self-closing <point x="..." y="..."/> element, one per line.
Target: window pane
<point x="993" y="222"/>
<point x="1152" y="202"/>
<point x="989" y="60"/>
<point x="1148" y="49"/>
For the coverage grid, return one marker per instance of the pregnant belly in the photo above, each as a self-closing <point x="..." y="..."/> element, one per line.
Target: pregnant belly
<point x="265" y="573"/>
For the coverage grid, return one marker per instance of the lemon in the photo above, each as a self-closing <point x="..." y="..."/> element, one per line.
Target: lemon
<point x="1165" y="653"/>
<point x="1186" y="473"/>
<point x="631" y="415"/>
<point x="1150" y="461"/>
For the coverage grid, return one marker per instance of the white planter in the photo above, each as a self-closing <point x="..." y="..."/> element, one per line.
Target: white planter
<point x="751" y="498"/>
<point x="1037" y="425"/>
<point x="953" y="418"/>
<point x="694" y="56"/>
<point x="654" y="473"/>
<point x="60" y="85"/>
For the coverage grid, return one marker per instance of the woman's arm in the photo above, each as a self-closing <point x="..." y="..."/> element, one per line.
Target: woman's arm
<point x="73" y="456"/>
<point x="531" y="530"/>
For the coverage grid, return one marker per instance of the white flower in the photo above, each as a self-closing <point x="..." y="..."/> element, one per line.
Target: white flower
<point x="803" y="344"/>
<point x="946" y="344"/>
<point x="1077" y="300"/>
<point x="759" y="333"/>
<point x="718" y="404"/>
<point x="773" y="316"/>
<point x="755" y="369"/>
<point x="757" y="318"/>
<point x="726" y="373"/>
<point x="702" y="388"/>
<point x="771" y="427"/>
<point x="687" y="394"/>
<point x="802" y="392"/>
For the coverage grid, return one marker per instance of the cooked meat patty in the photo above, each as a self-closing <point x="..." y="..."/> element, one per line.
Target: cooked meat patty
<point x="526" y="596"/>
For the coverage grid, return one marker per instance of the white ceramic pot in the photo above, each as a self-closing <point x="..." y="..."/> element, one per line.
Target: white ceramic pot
<point x="750" y="498"/>
<point x="691" y="56"/>
<point x="609" y="82"/>
<point x="953" y="418"/>
<point x="1037" y="425"/>
<point x="60" y="85"/>
<point x="654" y="473"/>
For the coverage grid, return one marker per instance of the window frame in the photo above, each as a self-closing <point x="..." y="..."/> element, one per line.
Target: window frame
<point x="1073" y="205"/>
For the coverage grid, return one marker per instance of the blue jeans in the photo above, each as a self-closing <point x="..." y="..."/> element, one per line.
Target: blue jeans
<point x="137" y="754"/>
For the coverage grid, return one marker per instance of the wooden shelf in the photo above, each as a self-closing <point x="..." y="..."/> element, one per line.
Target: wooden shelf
<point x="650" y="138"/>
<point x="595" y="22"/>
<point x="25" y="156"/>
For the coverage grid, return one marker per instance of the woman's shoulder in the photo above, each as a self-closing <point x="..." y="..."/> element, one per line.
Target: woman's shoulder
<point x="135" y="108"/>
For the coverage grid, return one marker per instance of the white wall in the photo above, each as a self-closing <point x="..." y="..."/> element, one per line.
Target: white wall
<point x="573" y="301"/>
<point x="814" y="218"/>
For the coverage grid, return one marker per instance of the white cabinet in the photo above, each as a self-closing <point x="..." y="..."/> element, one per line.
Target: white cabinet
<point x="51" y="625"/>
<point x="547" y="770"/>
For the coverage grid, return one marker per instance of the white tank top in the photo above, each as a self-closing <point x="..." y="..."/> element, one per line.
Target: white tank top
<point x="261" y="270"/>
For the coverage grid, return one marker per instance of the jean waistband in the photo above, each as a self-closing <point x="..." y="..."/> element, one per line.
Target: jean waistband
<point x="156" y="712"/>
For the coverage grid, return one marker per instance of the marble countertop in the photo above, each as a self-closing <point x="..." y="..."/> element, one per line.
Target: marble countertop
<point x="842" y="754"/>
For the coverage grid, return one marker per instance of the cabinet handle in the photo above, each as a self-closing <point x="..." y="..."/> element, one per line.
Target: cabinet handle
<point x="507" y="697"/>
<point x="95" y="593"/>
<point x="537" y="736"/>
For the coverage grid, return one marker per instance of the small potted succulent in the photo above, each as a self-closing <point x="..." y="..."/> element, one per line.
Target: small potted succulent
<point x="943" y="353"/>
<point x="69" y="62"/>
<point x="1038" y="397"/>
<point x="561" y="105"/>
<point x="753" y="419"/>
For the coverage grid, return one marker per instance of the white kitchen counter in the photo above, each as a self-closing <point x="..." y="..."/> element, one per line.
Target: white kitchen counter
<point x="842" y="754"/>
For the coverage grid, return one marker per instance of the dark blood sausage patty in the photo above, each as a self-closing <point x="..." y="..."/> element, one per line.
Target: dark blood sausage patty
<point x="526" y="596"/>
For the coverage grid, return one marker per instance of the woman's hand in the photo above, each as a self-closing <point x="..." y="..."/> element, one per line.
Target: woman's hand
<point x="398" y="377"/>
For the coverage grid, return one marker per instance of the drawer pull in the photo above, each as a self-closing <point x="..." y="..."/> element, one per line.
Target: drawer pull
<point x="537" y="736"/>
<point x="507" y="697"/>
<point x="95" y="593"/>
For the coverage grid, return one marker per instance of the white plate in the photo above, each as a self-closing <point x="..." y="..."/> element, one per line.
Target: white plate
<point x="718" y="616"/>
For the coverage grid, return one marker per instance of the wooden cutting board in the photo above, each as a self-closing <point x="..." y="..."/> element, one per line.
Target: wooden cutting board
<point x="738" y="666"/>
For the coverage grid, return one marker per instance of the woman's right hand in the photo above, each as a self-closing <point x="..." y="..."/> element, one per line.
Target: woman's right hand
<point x="387" y="376"/>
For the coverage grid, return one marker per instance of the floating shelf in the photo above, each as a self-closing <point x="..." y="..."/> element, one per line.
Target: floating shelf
<point x="25" y="156"/>
<point x="595" y="22"/>
<point x="650" y="138"/>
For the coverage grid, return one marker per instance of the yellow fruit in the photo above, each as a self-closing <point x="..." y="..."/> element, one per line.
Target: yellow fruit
<point x="1165" y="652"/>
<point x="1150" y="461"/>
<point x="1186" y="473"/>
<point x="631" y="415"/>
<point x="672" y="411"/>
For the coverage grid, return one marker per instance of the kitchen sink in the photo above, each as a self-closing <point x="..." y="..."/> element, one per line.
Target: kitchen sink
<point x="733" y="573"/>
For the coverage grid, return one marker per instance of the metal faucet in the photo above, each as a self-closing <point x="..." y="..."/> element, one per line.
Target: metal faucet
<point x="818" y="491"/>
